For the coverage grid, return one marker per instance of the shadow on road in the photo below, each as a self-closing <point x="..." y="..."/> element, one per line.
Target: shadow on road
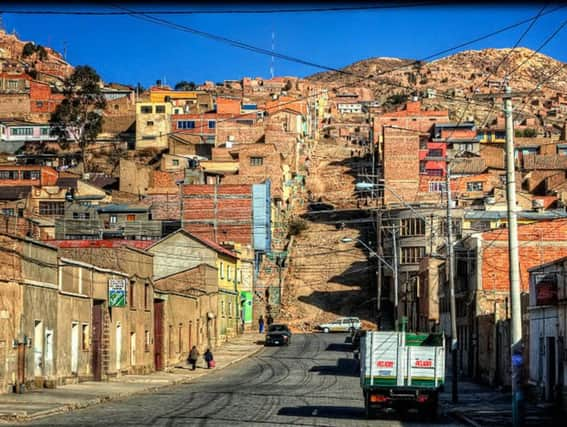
<point x="340" y="412"/>
<point x="339" y="347"/>
<point x="344" y="368"/>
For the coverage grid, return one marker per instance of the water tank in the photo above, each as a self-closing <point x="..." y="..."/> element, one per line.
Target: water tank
<point x="490" y="200"/>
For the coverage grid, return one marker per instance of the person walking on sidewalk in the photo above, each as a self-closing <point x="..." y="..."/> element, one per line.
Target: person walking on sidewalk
<point x="208" y="356"/>
<point x="270" y="319"/>
<point x="261" y="324"/>
<point x="193" y="357"/>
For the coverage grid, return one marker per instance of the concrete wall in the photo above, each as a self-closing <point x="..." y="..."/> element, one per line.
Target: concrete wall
<point x="134" y="178"/>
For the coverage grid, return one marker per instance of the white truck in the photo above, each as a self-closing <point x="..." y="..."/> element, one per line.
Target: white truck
<point x="402" y="371"/>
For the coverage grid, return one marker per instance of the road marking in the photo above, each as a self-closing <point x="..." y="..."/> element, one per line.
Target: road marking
<point x="314" y="413"/>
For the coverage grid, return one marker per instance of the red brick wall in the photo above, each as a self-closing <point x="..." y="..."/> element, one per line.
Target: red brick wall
<point x="242" y="133"/>
<point x="401" y="165"/>
<point x="48" y="176"/>
<point x="539" y="243"/>
<point x="160" y="179"/>
<point x="164" y="206"/>
<point x="41" y="92"/>
<point x="232" y="212"/>
<point x="228" y="105"/>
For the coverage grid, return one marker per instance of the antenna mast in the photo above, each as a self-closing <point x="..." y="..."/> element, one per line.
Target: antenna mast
<point x="272" y="68"/>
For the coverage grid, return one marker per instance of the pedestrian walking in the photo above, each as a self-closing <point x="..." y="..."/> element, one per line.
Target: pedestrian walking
<point x="208" y="356"/>
<point x="270" y="319"/>
<point x="261" y="324"/>
<point x="193" y="357"/>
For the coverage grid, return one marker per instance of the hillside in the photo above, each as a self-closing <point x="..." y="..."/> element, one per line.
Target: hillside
<point x="456" y="77"/>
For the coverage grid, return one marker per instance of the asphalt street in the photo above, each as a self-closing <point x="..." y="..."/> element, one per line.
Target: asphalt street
<point x="313" y="382"/>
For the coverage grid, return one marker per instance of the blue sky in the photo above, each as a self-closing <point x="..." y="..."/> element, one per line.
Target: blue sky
<point x="128" y="50"/>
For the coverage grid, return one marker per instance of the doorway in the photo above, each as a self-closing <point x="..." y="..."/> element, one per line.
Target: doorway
<point x="132" y="349"/>
<point x="38" y="348"/>
<point x="97" y="339"/>
<point x="158" y="335"/>
<point x="118" y="341"/>
<point x="550" y="368"/>
<point x="75" y="348"/>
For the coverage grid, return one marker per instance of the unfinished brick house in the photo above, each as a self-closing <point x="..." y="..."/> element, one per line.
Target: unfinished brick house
<point x="483" y="297"/>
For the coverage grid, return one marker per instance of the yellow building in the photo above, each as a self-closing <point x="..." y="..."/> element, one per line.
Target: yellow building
<point x="153" y="124"/>
<point x="228" y="298"/>
<point x="487" y="136"/>
<point x="183" y="101"/>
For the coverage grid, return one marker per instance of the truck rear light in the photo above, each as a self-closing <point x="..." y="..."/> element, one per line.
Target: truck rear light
<point x="422" y="398"/>
<point x="378" y="398"/>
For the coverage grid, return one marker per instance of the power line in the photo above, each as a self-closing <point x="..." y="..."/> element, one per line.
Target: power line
<point x="398" y="5"/>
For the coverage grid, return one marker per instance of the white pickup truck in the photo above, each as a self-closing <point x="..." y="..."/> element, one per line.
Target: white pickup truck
<point x="402" y="371"/>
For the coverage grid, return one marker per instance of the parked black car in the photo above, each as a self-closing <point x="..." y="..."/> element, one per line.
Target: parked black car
<point x="278" y="334"/>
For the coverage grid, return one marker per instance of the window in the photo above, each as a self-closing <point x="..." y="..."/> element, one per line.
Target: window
<point x="12" y="84"/>
<point x="130" y="217"/>
<point x="160" y="109"/>
<point x="457" y="228"/>
<point x="113" y="219"/>
<point x="146" y="109"/>
<point x="221" y="270"/>
<point x="186" y="124"/>
<point x="222" y="309"/>
<point x="230" y="309"/>
<point x="22" y="131"/>
<point x="149" y="123"/>
<point x="175" y="162"/>
<point x="435" y="152"/>
<point x="412" y="227"/>
<point x="85" y="337"/>
<point x="51" y="208"/>
<point x="412" y="255"/>
<point x="146" y="296"/>
<point x="8" y="211"/>
<point x="9" y="175"/>
<point x="131" y="297"/>
<point x="435" y="172"/>
<point x="179" y="337"/>
<point x="228" y="272"/>
<point x="474" y="186"/>
<point x="212" y="124"/>
<point x="423" y="142"/>
<point x="245" y="122"/>
<point x="81" y="215"/>
<point x="44" y="131"/>
<point x="256" y="161"/>
<point x="147" y="341"/>
<point x="437" y="187"/>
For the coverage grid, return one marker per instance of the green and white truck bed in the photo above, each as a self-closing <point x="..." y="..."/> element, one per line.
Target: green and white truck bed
<point x="401" y="370"/>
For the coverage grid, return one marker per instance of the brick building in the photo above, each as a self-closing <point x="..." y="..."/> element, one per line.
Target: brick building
<point x="218" y="212"/>
<point x="483" y="297"/>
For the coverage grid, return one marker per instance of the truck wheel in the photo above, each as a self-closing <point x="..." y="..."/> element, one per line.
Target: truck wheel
<point x="370" y="413"/>
<point x="326" y="330"/>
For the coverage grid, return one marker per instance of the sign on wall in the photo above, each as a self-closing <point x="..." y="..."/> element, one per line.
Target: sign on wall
<point x="117" y="292"/>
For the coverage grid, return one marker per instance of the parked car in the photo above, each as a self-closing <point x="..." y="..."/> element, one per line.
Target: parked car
<point x="342" y="324"/>
<point x="278" y="334"/>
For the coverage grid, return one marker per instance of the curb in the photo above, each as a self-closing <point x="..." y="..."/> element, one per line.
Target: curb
<point x="10" y="418"/>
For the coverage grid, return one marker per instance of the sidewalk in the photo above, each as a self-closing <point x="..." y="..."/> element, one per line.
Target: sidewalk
<point x="480" y="405"/>
<point x="42" y="402"/>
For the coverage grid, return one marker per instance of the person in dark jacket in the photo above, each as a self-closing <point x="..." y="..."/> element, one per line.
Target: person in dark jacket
<point x="208" y="356"/>
<point x="193" y="356"/>
<point x="261" y="324"/>
<point x="270" y="320"/>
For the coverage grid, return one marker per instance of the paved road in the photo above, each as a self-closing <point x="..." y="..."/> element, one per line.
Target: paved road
<point x="311" y="382"/>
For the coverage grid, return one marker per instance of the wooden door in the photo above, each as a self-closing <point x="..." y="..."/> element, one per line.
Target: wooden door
<point x="97" y="326"/>
<point x="158" y="335"/>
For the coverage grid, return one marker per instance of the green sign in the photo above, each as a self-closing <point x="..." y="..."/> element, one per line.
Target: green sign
<point x="117" y="292"/>
<point x="246" y="303"/>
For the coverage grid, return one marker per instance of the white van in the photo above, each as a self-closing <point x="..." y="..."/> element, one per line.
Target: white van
<point x="342" y="324"/>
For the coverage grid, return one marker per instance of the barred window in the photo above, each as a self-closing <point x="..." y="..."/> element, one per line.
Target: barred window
<point x="412" y="255"/>
<point x="412" y="227"/>
<point x="51" y="208"/>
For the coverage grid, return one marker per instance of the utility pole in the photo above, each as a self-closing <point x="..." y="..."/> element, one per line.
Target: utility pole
<point x="395" y="272"/>
<point x="452" y="302"/>
<point x="516" y="345"/>
<point x="516" y="320"/>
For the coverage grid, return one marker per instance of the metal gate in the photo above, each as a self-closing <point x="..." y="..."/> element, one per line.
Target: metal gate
<point x="97" y="322"/>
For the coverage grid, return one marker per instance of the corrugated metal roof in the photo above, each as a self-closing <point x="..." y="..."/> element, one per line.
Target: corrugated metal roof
<point x="116" y="208"/>
<point x="494" y="215"/>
